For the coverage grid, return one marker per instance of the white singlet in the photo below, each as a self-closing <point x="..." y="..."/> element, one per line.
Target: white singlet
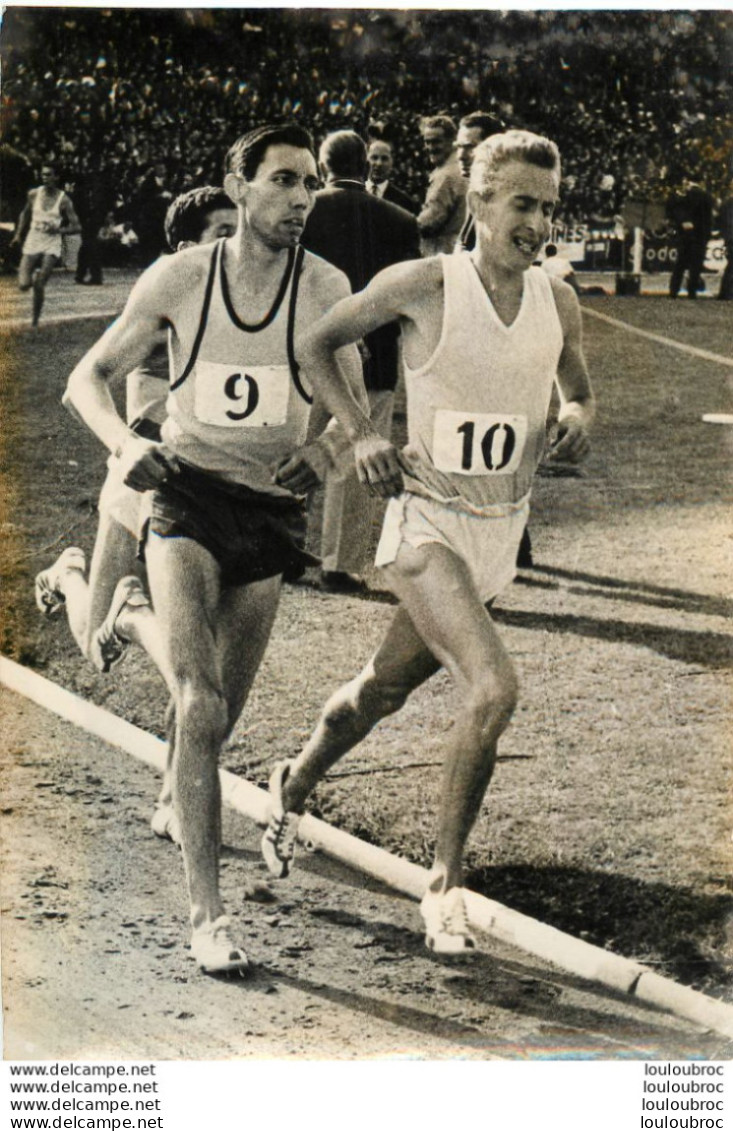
<point x="41" y="241"/>
<point x="477" y="409"/>
<point x="237" y="406"/>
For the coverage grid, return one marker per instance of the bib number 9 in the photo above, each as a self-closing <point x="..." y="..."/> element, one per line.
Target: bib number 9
<point x="478" y="443"/>
<point x="236" y="398"/>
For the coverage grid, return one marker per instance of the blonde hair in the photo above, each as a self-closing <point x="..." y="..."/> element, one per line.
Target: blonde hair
<point x="515" y="145"/>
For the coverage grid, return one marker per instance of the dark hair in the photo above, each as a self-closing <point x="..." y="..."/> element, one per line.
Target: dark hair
<point x="550" y="250"/>
<point x="439" y="122"/>
<point x="380" y="141"/>
<point x="185" y="219"/>
<point x="480" y="120"/>
<point x="246" y="154"/>
<point x="377" y="131"/>
<point x="343" y="153"/>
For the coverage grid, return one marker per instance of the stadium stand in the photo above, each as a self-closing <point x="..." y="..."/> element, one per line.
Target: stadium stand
<point x="635" y="100"/>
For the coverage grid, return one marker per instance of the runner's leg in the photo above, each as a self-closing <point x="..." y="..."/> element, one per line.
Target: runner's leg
<point x="40" y="278"/>
<point x="238" y="665"/>
<point x="191" y="610"/>
<point x="401" y="663"/>
<point x="113" y="557"/>
<point x="28" y="264"/>
<point x="437" y="590"/>
<point x="246" y="613"/>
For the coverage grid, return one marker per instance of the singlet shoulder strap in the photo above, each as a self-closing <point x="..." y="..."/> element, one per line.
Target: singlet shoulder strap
<point x="216" y="256"/>
<point x="539" y="284"/>
<point x="294" y="367"/>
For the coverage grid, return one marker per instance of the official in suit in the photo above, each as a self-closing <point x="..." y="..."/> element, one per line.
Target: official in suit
<point x="361" y="235"/>
<point x="471" y="130"/>
<point x="380" y="159"/>
<point x="691" y="212"/>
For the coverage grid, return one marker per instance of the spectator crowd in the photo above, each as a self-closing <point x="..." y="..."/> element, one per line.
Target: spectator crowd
<point x="121" y="99"/>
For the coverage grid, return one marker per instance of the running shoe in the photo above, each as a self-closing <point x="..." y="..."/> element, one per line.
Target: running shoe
<point x="107" y="647"/>
<point x="214" y="951"/>
<point x="50" y="600"/>
<point x="165" y="823"/>
<point x="278" y="843"/>
<point x="446" y="922"/>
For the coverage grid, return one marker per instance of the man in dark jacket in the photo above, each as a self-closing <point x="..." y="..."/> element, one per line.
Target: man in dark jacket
<point x="152" y="200"/>
<point x="725" y="224"/>
<point x="361" y="235"/>
<point x="471" y="130"/>
<point x="380" y="159"/>
<point x="94" y="198"/>
<point x="692" y="216"/>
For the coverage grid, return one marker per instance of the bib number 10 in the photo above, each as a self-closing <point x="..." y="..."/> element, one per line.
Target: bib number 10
<point x="478" y="443"/>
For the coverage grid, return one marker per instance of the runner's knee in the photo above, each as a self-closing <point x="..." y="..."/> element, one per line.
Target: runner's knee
<point x="359" y="705"/>
<point x="492" y="700"/>
<point x="201" y="712"/>
<point x="375" y="695"/>
<point x="383" y="697"/>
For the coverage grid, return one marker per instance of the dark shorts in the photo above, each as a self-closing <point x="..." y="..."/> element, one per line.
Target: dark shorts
<point x="252" y="535"/>
<point x="146" y="428"/>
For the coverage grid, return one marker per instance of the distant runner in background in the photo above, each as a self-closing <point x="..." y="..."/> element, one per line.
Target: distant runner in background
<point x="47" y="217"/>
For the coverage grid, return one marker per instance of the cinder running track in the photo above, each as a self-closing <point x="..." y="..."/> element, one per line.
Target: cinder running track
<point x="95" y="961"/>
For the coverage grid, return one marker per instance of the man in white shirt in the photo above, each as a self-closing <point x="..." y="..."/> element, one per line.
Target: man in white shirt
<point x="441" y="218"/>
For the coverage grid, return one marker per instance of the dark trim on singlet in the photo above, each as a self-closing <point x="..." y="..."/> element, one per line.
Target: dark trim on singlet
<point x="468" y="233"/>
<point x="294" y="367"/>
<point x="204" y="315"/>
<point x="272" y="313"/>
<point x="294" y="268"/>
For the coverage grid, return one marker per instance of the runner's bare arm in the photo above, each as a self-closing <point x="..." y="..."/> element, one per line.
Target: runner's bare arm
<point x="310" y="464"/>
<point x="123" y="346"/>
<point x="389" y="296"/>
<point x="23" y="221"/>
<point x="71" y="225"/>
<point x="327" y="438"/>
<point x="576" y="395"/>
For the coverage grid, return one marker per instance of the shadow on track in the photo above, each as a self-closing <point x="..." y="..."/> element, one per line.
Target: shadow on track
<point x="625" y="916"/>
<point x="708" y="649"/>
<point x="638" y="592"/>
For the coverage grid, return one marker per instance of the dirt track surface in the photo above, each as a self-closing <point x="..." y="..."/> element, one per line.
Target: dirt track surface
<point x="340" y="971"/>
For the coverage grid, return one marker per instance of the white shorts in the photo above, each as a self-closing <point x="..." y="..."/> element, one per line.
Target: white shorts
<point x="118" y="501"/>
<point x="487" y="543"/>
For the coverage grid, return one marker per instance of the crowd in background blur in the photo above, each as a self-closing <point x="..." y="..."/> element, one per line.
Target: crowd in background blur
<point x="136" y="105"/>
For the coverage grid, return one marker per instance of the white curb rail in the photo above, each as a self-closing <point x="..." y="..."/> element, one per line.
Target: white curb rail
<point x="527" y="934"/>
